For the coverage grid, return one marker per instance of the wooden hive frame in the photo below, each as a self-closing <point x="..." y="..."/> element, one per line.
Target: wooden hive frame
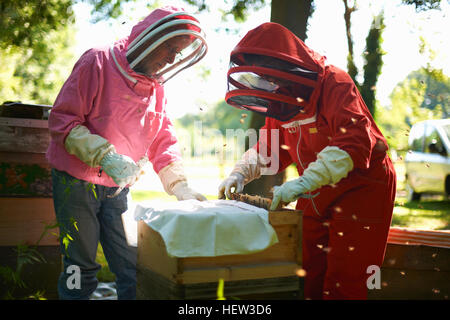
<point x="161" y="276"/>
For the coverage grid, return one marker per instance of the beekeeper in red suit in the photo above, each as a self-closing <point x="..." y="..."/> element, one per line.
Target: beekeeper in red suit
<point x="107" y="121"/>
<point x="346" y="184"/>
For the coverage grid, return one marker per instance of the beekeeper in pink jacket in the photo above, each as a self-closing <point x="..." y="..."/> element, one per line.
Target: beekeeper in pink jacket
<point x="107" y="121"/>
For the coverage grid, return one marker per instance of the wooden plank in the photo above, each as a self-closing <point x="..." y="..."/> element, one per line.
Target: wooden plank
<point x="151" y="285"/>
<point x="283" y="217"/>
<point x="414" y="272"/>
<point x="238" y="289"/>
<point x="290" y="217"/>
<point x="152" y="253"/>
<point x="416" y="257"/>
<point x="24" y="158"/>
<point x="236" y="273"/>
<point x="24" y="139"/>
<point x="285" y="250"/>
<point x="20" y="122"/>
<point x="22" y="220"/>
<point x="412" y="285"/>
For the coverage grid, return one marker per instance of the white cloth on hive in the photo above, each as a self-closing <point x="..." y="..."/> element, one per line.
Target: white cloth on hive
<point x="193" y="228"/>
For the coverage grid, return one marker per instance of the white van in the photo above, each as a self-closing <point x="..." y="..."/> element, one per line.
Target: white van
<point x="427" y="161"/>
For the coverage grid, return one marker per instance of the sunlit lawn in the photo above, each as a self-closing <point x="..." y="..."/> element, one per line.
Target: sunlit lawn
<point x="430" y="213"/>
<point x="141" y="195"/>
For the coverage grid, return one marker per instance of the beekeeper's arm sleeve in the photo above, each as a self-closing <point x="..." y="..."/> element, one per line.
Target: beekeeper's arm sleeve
<point x="331" y="166"/>
<point x="89" y="148"/>
<point x="175" y="182"/>
<point x="96" y="151"/>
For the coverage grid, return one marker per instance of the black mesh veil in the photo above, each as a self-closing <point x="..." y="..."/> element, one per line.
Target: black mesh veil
<point x="269" y="86"/>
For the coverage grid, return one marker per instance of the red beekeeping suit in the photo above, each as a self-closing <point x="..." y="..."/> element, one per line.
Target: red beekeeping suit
<point x="345" y="225"/>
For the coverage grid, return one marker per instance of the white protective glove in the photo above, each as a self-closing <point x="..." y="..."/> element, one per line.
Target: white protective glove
<point x="331" y="166"/>
<point x="235" y="180"/>
<point x="182" y="191"/>
<point x="96" y="151"/>
<point x="245" y="170"/>
<point x="175" y="182"/>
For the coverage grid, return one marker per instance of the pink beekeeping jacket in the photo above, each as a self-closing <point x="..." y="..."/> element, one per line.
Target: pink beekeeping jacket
<point x="128" y="109"/>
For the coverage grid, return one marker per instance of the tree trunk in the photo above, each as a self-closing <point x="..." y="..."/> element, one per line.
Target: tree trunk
<point x="374" y="62"/>
<point x="352" y="69"/>
<point x="293" y="14"/>
<point x="262" y="186"/>
<point x="373" y="57"/>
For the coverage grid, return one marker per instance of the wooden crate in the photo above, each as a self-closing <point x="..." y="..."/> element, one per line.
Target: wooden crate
<point x="272" y="270"/>
<point x="26" y="204"/>
<point x="24" y="135"/>
<point x="22" y="220"/>
<point x="24" y="171"/>
<point x="414" y="272"/>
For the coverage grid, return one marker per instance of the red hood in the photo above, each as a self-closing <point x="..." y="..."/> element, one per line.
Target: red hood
<point x="272" y="39"/>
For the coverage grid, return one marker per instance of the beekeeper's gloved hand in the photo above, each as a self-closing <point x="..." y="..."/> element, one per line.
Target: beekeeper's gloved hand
<point x="287" y="192"/>
<point x="331" y="166"/>
<point x="175" y="183"/>
<point x="235" y="180"/>
<point x="122" y="169"/>
<point x="245" y="170"/>
<point x="183" y="192"/>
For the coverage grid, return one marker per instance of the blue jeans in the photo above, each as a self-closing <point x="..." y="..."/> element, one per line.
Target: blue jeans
<point x="86" y="216"/>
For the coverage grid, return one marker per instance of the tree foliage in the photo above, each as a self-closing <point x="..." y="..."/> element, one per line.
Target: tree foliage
<point x="214" y="134"/>
<point x="238" y="9"/>
<point x="34" y="48"/>
<point x="34" y="75"/>
<point x="230" y="118"/>
<point x="36" y="42"/>
<point x="26" y="23"/>
<point x="33" y="38"/>
<point x="373" y="52"/>
<point x="419" y="97"/>
<point x="103" y="9"/>
<point x="423" y="5"/>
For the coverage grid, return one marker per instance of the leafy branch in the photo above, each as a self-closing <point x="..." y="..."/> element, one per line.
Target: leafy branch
<point x="26" y="255"/>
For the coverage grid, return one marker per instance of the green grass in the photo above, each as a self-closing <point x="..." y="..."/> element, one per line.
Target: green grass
<point x="141" y="195"/>
<point x="104" y="275"/>
<point x="432" y="212"/>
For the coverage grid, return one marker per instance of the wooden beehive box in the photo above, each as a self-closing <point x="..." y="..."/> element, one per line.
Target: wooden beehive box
<point x="24" y="171"/>
<point x="272" y="270"/>
<point x="26" y="204"/>
<point x="414" y="272"/>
